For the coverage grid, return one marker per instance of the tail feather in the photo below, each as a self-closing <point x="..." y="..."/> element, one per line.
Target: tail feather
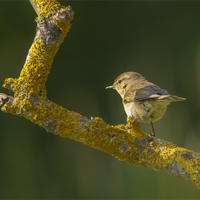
<point x="170" y="98"/>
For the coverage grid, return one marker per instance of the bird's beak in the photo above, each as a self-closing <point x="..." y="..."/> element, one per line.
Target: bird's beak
<point x="110" y="87"/>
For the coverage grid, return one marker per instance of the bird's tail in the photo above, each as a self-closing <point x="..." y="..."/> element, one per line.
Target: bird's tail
<point x="170" y="98"/>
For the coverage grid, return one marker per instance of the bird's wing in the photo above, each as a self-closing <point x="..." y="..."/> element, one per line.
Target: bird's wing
<point x="147" y="92"/>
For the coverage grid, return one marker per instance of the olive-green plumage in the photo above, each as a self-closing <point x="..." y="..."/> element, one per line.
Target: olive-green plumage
<point x="142" y="100"/>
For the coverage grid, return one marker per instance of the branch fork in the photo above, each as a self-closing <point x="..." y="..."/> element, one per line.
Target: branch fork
<point x="126" y="142"/>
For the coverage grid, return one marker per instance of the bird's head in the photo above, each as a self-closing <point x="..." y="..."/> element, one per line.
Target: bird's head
<point x="126" y="81"/>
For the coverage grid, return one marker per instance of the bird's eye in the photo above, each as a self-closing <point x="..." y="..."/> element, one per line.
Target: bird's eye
<point x="119" y="81"/>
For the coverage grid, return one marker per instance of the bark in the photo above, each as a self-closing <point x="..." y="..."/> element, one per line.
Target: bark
<point x="126" y="142"/>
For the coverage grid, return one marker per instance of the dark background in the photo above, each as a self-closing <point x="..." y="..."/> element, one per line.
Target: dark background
<point x="160" y="40"/>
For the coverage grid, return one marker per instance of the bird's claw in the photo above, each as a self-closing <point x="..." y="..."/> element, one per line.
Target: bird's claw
<point x="152" y="134"/>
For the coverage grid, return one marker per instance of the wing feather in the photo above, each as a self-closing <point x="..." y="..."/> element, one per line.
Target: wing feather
<point x="147" y="92"/>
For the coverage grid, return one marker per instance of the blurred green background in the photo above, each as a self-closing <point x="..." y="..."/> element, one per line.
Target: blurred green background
<point x="160" y="40"/>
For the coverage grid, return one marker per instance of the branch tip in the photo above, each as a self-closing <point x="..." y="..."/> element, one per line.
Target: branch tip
<point x="3" y="99"/>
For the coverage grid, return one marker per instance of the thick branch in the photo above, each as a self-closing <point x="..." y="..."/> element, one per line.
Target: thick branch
<point x="125" y="142"/>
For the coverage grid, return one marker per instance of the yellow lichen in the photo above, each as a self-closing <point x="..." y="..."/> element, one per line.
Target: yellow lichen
<point x="134" y="127"/>
<point x="64" y="26"/>
<point x="159" y="155"/>
<point x="119" y="141"/>
<point x="47" y="8"/>
<point x="26" y="105"/>
<point x="35" y="71"/>
<point x="184" y="160"/>
<point x="151" y="144"/>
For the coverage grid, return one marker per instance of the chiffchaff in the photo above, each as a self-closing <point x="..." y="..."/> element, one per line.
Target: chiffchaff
<point x="142" y="100"/>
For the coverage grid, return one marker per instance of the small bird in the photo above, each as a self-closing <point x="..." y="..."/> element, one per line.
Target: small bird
<point x="142" y="100"/>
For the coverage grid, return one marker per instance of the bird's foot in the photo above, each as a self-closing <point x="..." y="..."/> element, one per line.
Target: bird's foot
<point x="152" y="134"/>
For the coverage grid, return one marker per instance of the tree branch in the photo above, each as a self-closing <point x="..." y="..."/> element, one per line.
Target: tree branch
<point x="126" y="142"/>
<point x="35" y="6"/>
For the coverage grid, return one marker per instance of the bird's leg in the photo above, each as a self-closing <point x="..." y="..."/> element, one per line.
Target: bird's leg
<point x="152" y="134"/>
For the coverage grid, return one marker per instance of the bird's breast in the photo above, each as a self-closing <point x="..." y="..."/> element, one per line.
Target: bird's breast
<point x="145" y="111"/>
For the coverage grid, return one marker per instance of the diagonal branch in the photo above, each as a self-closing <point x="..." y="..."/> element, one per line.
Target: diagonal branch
<point x="126" y="142"/>
<point x="35" y="7"/>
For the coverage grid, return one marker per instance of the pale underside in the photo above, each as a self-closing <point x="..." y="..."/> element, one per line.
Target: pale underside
<point x="146" y="111"/>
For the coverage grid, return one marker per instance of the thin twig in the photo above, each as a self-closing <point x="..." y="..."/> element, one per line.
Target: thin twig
<point x="35" y="7"/>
